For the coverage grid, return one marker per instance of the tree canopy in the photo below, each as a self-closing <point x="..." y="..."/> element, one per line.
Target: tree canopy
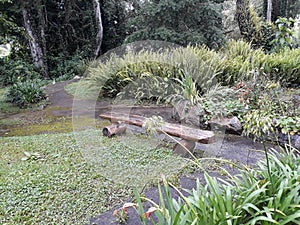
<point x="48" y="33"/>
<point x="180" y="22"/>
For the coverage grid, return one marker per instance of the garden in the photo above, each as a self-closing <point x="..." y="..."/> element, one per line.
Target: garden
<point x="58" y="167"/>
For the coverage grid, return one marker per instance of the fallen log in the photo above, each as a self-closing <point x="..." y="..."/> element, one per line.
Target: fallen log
<point x="112" y="130"/>
<point x="177" y="130"/>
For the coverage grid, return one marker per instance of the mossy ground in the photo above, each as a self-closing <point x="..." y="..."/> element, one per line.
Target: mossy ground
<point x="52" y="125"/>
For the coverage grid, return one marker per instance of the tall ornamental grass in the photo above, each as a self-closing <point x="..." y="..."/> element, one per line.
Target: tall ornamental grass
<point x="247" y="198"/>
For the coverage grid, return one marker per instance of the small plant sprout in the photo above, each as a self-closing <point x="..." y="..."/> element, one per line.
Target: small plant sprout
<point x="128" y="205"/>
<point x="121" y="214"/>
<point x="150" y="211"/>
<point x="152" y="124"/>
<point x="31" y="156"/>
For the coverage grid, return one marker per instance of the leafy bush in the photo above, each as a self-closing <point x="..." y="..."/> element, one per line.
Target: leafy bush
<point x="25" y="93"/>
<point x="251" y="197"/>
<point x="241" y="59"/>
<point x="66" y="68"/>
<point x="201" y="25"/>
<point x="289" y="125"/>
<point x="285" y="66"/>
<point x="148" y="88"/>
<point x="268" y="31"/>
<point x="234" y="63"/>
<point x="114" y="74"/>
<point x="16" y="70"/>
<point x="284" y="36"/>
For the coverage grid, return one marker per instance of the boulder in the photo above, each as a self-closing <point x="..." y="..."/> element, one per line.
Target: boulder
<point x="231" y="125"/>
<point x="188" y="114"/>
<point x="294" y="140"/>
<point x="76" y="77"/>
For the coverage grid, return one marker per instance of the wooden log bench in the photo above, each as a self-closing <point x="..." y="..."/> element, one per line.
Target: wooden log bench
<point x="189" y="135"/>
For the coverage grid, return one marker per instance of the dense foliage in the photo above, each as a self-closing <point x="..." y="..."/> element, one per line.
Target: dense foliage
<point x="180" y="22"/>
<point x="62" y="29"/>
<point x="234" y="62"/>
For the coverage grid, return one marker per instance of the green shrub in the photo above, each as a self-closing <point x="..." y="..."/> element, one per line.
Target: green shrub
<point x="289" y="125"/>
<point x="251" y="197"/>
<point x="25" y="93"/>
<point x="268" y="31"/>
<point x="284" y="36"/>
<point x="236" y="62"/>
<point x="200" y="63"/>
<point x="223" y="101"/>
<point x="115" y="73"/>
<point x="241" y="59"/>
<point x="17" y="70"/>
<point x="65" y="68"/>
<point x="285" y="66"/>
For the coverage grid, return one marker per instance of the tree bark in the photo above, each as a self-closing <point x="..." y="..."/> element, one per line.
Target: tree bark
<point x="113" y="130"/>
<point x="244" y="19"/>
<point x="42" y="27"/>
<point x="269" y="11"/>
<point x="36" y="46"/>
<point x="99" y="36"/>
<point x="246" y="23"/>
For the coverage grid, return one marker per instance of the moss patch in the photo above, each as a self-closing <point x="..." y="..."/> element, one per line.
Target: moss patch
<point x="54" y="125"/>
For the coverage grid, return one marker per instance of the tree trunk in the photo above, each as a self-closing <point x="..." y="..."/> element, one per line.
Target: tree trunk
<point x="113" y="130"/>
<point x="244" y="19"/>
<point x="279" y="9"/>
<point x="269" y="11"/>
<point x="42" y="27"/>
<point x="99" y="36"/>
<point x="36" y="47"/>
<point x="247" y="25"/>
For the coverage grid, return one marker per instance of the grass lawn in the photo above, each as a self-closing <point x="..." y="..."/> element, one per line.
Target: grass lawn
<point x="69" y="178"/>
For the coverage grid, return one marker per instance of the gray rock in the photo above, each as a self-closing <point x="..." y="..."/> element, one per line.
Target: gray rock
<point x="297" y="142"/>
<point x="188" y="114"/>
<point x="182" y="147"/>
<point x="231" y="125"/>
<point x="293" y="140"/>
<point x="296" y="100"/>
<point x="76" y="77"/>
